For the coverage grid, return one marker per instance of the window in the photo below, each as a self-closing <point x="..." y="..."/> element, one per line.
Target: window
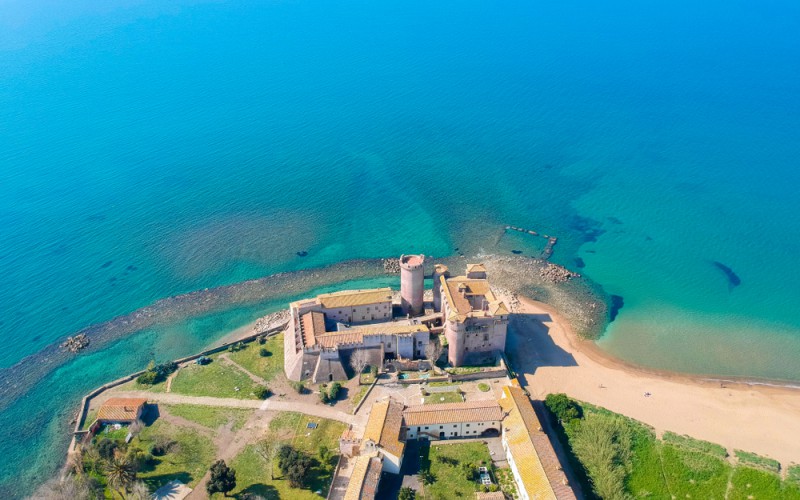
<point x="441" y="427"/>
<point x="426" y="427"/>
<point x="485" y="337"/>
<point x="417" y="429"/>
<point x="467" y="425"/>
<point x="389" y="344"/>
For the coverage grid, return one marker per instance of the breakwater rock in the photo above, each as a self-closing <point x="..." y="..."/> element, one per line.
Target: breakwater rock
<point x="271" y="321"/>
<point x="391" y="266"/>
<point x="76" y="343"/>
<point x="554" y="273"/>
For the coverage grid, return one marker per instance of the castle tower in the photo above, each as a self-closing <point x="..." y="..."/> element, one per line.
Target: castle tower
<point x="412" y="283"/>
<point x="439" y="270"/>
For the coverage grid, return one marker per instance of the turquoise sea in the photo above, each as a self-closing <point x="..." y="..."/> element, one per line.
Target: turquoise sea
<point x="149" y="149"/>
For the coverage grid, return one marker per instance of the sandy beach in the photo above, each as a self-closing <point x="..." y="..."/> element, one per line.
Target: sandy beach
<point x="551" y="358"/>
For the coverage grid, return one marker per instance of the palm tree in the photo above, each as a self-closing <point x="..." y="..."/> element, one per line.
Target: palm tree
<point x="120" y="473"/>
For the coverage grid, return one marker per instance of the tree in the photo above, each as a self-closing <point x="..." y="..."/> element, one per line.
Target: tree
<point x="324" y="453"/>
<point x="407" y="493"/>
<point x="333" y="391"/>
<point x="565" y="409"/>
<point x="262" y="392"/>
<point x="433" y="351"/>
<point x="358" y="361"/>
<point x="268" y="450"/>
<point x="427" y="477"/>
<point x="223" y="478"/>
<point x="294" y="465"/>
<point x="120" y="473"/>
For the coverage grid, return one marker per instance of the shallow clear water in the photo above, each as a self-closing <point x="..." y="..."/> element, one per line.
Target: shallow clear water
<point x="150" y="150"/>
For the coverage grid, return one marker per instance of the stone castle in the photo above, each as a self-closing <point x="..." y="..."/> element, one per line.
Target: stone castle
<point x="325" y="331"/>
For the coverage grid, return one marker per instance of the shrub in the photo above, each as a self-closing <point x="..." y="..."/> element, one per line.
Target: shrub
<point x="300" y="387"/>
<point x="406" y="493"/>
<point x="753" y="460"/>
<point x="333" y="391"/>
<point x="162" y="445"/>
<point x="147" y="378"/>
<point x="374" y="371"/>
<point x="323" y="396"/>
<point x="138" y="457"/>
<point x="565" y="409"/>
<point x="262" y="339"/>
<point x="106" y="448"/>
<point x="426" y="477"/>
<point x="262" y="392"/>
<point x="483" y="387"/>
<point x="264" y="352"/>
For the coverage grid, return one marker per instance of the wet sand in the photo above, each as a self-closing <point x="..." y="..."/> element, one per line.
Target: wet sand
<point x="749" y="416"/>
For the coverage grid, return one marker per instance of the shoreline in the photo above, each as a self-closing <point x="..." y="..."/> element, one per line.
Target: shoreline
<point x="552" y="358"/>
<point x="603" y="357"/>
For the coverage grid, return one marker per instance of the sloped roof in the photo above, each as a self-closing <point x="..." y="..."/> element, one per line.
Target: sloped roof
<point x="476" y="268"/>
<point x="312" y="325"/>
<point x="459" y="289"/>
<point x="351" y="298"/>
<point x="120" y="409"/>
<point x="384" y="424"/>
<point x="356" y="334"/>
<point x="451" y="413"/>
<point x="533" y="454"/>
<point x="364" y="479"/>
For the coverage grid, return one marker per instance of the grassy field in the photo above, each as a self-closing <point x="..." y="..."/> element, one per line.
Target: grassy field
<point x="443" y="397"/>
<point x="450" y="477"/>
<point x="618" y="457"/>
<point x="216" y="379"/>
<point x="266" y="367"/>
<point x="190" y="459"/>
<point x="211" y="416"/>
<point x="290" y="428"/>
<point x="359" y="395"/>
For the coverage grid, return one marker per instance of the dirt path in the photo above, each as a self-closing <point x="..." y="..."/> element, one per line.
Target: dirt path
<point x="551" y="358"/>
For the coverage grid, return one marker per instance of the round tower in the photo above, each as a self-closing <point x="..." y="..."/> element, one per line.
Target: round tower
<point x="439" y="270"/>
<point x="412" y="283"/>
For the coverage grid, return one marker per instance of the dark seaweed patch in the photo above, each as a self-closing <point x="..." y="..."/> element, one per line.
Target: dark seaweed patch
<point x="516" y="252"/>
<point x="302" y="253"/>
<point x="131" y="268"/>
<point x="579" y="263"/>
<point x="617" y="303"/>
<point x="613" y="220"/>
<point x="107" y="264"/>
<point x="733" y="278"/>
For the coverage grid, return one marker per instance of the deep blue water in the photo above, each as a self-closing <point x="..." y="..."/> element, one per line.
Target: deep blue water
<point x="150" y="150"/>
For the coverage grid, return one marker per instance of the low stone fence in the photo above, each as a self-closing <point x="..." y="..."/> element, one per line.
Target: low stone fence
<point x="84" y="408"/>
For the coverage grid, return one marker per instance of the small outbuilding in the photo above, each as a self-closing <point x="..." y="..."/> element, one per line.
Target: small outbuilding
<point x="121" y="410"/>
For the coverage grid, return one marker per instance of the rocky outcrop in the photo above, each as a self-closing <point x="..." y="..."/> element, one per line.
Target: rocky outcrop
<point x="76" y="343"/>
<point x="554" y="273"/>
<point x="271" y="321"/>
<point x="391" y="266"/>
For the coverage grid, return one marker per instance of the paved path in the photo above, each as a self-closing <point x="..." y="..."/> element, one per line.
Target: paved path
<point x="255" y="378"/>
<point x="323" y="411"/>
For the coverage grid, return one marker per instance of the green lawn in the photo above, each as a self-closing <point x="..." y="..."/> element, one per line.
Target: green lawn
<point x="211" y="416"/>
<point x="677" y="467"/>
<point x="266" y="367"/>
<point x="443" y="397"/>
<point x="91" y="415"/>
<point x="216" y="379"/>
<point x="450" y="479"/>
<point x="188" y="462"/>
<point x="252" y="475"/>
<point x="358" y="396"/>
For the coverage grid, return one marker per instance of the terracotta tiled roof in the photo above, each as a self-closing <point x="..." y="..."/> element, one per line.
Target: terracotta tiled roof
<point x="531" y="450"/>
<point x="120" y="409"/>
<point x="351" y="298"/>
<point x="458" y="290"/>
<point x="364" y="479"/>
<point x="451" y="413"/>
<point x="384" y="424"/>
<point x="312" y="325"/>
<point x="356" y="334"/>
